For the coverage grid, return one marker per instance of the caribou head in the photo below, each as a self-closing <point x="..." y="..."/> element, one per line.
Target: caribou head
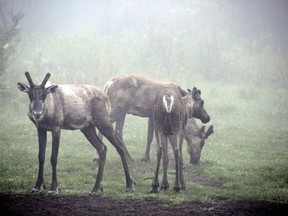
<point x="195" y="140"/>
<point x="37" y="95"/>
<point x="195" y="105"/>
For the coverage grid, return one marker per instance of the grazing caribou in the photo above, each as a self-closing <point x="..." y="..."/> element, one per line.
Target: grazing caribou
<point x="71" y="107"/>
<point x="131" y="94"/>
<point x="195" y="138"/>
<point x="170" y="114"/>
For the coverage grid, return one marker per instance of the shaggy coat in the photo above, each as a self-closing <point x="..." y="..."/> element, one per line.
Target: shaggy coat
<point x="71" y="107"/>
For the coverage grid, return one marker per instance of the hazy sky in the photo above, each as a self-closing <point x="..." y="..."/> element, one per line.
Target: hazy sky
<point x="44" y="16"/>
<point x="244" y="18"/>
<point x="252" y="24"/>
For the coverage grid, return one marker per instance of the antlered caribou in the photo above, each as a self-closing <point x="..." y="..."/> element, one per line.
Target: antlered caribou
<point x="131" y="94"/>
<point x="71" y="107"/>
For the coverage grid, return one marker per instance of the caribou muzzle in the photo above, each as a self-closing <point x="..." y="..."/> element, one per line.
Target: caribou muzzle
<point x="37" y="115"/>
<point x="37" y="109"/>
<point x="194" y="155"/>
<point x="194" y="160"/>
<point x="205" y="120"/>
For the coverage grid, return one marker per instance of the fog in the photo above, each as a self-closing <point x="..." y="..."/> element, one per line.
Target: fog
<point x="234" y="51"/>
<point x="231" y="41"/>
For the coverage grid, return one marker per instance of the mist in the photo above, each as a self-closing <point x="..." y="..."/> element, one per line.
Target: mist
<point x="234" y="51"/>
<point x="230" y="41"/>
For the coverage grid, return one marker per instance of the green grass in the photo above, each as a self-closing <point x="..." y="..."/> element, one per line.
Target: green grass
<point x="246" y="157"/>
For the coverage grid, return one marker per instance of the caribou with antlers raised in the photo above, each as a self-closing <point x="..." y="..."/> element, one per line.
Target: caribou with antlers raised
<point x="71" y="107"/>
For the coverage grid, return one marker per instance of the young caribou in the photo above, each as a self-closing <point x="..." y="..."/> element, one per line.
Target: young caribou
<point x="195" y="138"/>
<point x="71" y="107"/>
<point x="170" y="115"/>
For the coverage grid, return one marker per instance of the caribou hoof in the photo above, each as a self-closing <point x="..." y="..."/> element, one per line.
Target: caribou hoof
<point x="129" y="189"/>
<point x="35" y="190"/>
<point x="38" y="190"/>
<point x="154" y="188"/>
<point x="177" y="189"/>
<point x="147" y="160"/>
<point x="154" y="191"/>
<point x="164" y="187"/>
<point x="97" y="192"/>
<point x="54" y="192"/>
<point x="130" y="186"/>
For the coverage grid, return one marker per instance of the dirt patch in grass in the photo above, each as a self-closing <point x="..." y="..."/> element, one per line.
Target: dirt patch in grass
<point x="203" y="180"/>
<point x="13" y="204"/>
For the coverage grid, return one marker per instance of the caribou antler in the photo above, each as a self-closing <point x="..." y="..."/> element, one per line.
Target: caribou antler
<point x="45" y="79"/>
<point x="29" y="79"/>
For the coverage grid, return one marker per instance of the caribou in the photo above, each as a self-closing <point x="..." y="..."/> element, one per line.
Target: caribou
<point x="170" y="114"/>
<point x="71" y="107"/>
<point x="131" y="94"/>
<point x="195" y="137"/>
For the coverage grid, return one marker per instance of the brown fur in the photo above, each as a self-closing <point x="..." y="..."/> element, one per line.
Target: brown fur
<point x="195" y="138"/>
<point x="135" y="95"/>
<point x="71" y="107"/>
<point x="182" y="109"/>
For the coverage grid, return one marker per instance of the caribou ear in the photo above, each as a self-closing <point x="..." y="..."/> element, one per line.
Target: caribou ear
<point x="182" y="91"/>
<point x="190" y="93"/>
<point x="22" y="87"/>
<point x="195" y="93"/>
<point x="51" y="89"/>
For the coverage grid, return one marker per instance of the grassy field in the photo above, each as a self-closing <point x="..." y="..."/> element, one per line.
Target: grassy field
<point x="246" y="157"/>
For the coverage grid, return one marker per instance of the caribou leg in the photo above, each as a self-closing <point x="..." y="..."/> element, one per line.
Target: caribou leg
<point x="146" y="156"/>
<point x="176" y="142"/>
<point x="183" y="187"/>
<point x="54" y="155"/>
<point x="90" y="134"/>
<point x="119" y="126"/>
<point x="107" y="130"/>
<point x="165" y="184"/>
<point x="119" y="133"/>
<point x="155" y="182"/>
<point x="42" y="139"/>
<point x="117" y="143"/>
